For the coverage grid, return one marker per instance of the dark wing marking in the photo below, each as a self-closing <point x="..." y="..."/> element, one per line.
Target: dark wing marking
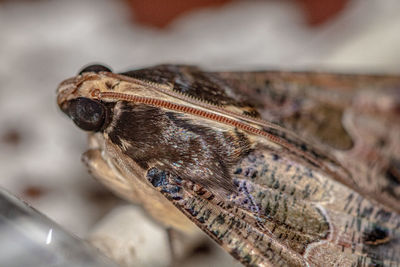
<point x="228" y="227"/>
<point x="185" y="146"/>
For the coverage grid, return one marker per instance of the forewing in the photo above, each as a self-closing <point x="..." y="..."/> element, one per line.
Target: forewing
<point x="285" y="214"/>
<point x="355" y="118"/>
<point x="312" y="103"/>
<point x="235" y="229"/>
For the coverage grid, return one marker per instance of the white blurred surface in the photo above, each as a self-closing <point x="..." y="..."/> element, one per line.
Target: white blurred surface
<point x="44" y="42"/>
<point x="140" y="243"/>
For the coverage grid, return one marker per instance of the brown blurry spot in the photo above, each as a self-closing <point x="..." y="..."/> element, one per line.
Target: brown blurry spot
<point x="203" y="248"/>
<point x="103" y="199"/>
<point x="160" y="13"/>
<point x="101" y="195"/>
<point x="318" y="12"/>
<point x="34" y="192"/>
<point x="11" y="137"/>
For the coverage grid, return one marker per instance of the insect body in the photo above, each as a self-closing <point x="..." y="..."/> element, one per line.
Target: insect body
<point x="279" y="168"/>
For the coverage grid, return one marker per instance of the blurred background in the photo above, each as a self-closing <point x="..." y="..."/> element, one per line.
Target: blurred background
<point x="42" y="42"/>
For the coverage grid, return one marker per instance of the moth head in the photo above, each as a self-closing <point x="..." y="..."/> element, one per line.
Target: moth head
<point x="88" y="97"/>
<point x="75" y="97"/>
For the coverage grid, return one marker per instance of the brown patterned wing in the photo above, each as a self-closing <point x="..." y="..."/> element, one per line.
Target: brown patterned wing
<point x="286" y="214"/>
<point x="355" y="118"/>
<point x="327" y="198"/>
<point x="238" y="231"/>
<point x="313" y="104"/>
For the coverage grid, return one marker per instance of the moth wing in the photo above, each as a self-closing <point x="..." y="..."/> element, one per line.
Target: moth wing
<point x="277" y="219"/>
<point x="326" y="222"/>
<point x="354" y="118"/>
<point x="226" y="226"/>
<point x="312" y="103"/>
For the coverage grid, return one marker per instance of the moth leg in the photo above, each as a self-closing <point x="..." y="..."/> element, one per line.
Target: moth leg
<point x="100" y="169"/>
<point x="130" y="189"/>
<point x="183" y="240"/>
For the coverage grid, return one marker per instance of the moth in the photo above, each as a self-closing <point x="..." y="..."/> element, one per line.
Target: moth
<point x="279" y="168"/>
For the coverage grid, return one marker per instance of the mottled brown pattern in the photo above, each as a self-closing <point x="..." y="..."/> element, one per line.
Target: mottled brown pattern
<point x="320" y="188"/>
<point x="189" y="149"/>
<point x="192" y="81"/>
<point x="353" y="117"/>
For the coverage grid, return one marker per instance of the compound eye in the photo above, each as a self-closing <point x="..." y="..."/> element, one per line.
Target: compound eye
<point x="87" y="114"/>
<point x="95" y="68"/>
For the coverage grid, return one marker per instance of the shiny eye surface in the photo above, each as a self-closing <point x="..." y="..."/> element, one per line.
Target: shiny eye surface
<point x="87" y="114"/>
<point x="95" y="68"/>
